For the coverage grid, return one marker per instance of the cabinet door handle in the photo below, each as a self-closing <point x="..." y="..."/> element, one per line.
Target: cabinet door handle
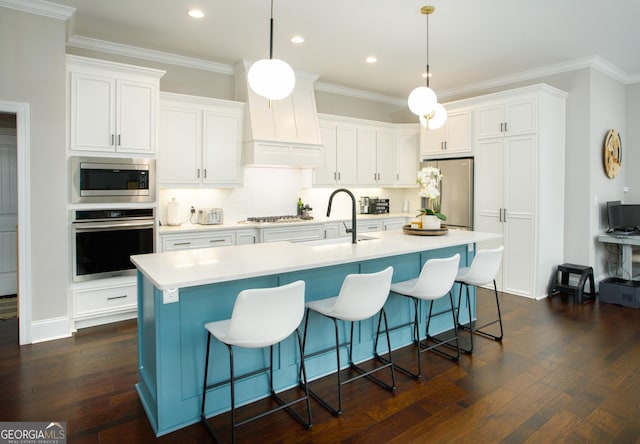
<point x="501" y="127"/>
<point x="119" y="140"/>
<point x="198" y="173"/>
<point x="445" y="145"/>
<point x="335" y="176"/>
<point x="113" y="298"/>
<point x="504" y="215"/>
<point x="113" y="138"/>
<point x="338" y="175"/>
<point x="505" y="127"/>
<point x="499" y="214"/>
<point x="205" y="173"/>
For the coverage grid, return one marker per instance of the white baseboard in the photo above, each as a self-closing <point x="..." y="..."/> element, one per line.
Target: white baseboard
<point x="50" y="329"/>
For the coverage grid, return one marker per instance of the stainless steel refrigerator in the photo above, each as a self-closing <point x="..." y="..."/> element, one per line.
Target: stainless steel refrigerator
<point x="456" y="190"/>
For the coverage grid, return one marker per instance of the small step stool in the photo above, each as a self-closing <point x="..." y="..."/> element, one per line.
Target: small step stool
<point x="562" y="284"/>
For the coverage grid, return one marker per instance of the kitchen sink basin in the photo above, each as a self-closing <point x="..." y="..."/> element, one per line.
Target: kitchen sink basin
<point x="338" y="240"/>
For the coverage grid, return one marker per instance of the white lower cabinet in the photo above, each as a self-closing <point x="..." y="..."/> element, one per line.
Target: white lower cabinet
<point x="198" y="240"/>
<point x="103" y="301"/>
<point x="293" y="234"/>
<point x="246" y="237"/>
<point x="362" y="227"/>
<point x="394" y="224"/>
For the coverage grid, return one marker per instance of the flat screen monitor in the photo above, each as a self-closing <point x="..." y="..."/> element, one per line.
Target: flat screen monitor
<point x="631" y="216"/>
<point x="623" y="217"/>
<point x="614" y="214"/>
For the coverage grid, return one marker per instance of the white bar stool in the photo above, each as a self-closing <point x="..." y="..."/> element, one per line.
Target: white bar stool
<point x="434" y="282"/>
<point x="483" y="270"/>
<point x="261" y="317"/>
<point x="361" y="297"/>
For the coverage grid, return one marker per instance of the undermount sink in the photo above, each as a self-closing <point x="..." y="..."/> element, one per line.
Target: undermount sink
<point x="338" y="240"/>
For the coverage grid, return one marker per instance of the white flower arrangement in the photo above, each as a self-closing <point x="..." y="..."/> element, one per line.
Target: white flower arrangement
<point x="429" y="180"/>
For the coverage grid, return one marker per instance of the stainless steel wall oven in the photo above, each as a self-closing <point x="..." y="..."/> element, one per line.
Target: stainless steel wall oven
<point x="104" y="240"/>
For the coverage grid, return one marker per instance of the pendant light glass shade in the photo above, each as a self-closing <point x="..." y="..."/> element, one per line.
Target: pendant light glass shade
<point x="271" y="78"/>
<point x="422" y="100"/>
<point x="437" y="119"/>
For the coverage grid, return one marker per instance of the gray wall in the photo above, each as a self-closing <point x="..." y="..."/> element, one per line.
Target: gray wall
<point x="631" y="144"/>
<point x="32" y="51"/>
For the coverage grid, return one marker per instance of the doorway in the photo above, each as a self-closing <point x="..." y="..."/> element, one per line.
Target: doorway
<point x="8" y="216"/>
<point x="21" y="114"/>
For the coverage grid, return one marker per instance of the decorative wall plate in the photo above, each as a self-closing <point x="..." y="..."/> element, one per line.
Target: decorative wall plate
<point x="612" y="153"/>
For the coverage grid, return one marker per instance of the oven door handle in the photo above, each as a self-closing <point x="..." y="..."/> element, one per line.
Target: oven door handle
<point x="86" y="226"/>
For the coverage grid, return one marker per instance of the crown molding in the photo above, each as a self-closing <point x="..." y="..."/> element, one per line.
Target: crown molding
<point x="40" y="7"/>
<point x="147" y="54"/>
<point x="593" y="62"/>
<point x="358" y="93"/>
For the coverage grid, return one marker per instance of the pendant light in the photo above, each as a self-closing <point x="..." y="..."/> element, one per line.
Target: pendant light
<point x="271" y="78"/>
<point x="423" y="101"/>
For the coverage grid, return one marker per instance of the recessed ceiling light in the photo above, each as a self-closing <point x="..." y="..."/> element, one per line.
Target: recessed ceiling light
<point x="297" y="39"/>
<point x="196" y="13"/>
<point x="371" y="59"/>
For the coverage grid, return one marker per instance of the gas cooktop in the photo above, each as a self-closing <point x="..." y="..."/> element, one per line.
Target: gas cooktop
<point x="278" y="219"/>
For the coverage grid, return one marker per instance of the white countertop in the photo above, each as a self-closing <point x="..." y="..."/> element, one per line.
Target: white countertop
<point x="187" y="268"/>
<point x="237" y="225"/>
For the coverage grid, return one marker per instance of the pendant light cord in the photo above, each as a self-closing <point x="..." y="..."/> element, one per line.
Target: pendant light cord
<point x="271" y="34"/>
<point x="427" y="50"/>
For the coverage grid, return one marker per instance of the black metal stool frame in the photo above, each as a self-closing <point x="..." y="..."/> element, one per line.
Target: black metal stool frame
<point x="471" y="328"/>
<point x="233" y="379"/>
<point x="387" y="363"/>
<point x="421" y="345"/>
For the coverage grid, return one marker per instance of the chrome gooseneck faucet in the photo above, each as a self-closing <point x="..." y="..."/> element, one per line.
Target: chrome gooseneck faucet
<point x="354" y="236"/>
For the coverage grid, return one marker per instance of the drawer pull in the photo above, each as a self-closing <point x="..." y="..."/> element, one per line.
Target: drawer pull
<point x="217" y="240"/>
<point x="113" y="298"/>
<point x="182" y="243"/>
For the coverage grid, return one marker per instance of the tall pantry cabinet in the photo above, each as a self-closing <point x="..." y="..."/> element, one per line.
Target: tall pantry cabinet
<point x="519" y="152"/>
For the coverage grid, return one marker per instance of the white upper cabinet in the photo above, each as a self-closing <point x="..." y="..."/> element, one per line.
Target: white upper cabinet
<point x="407" y="162"/>
<point x="453" y="138"/>
<point x="357" y="152"/>
<point x="510" y="119"/>
<point x="200" y="141"/>
<point x="376" y="156"/>
<point x="340" y="154"/>
<point x="112" y="107"/>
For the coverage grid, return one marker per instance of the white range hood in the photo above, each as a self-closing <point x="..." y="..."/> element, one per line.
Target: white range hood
<point x="284" y="132"/>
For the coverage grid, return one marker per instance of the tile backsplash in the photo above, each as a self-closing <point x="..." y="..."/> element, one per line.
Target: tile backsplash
<point x="275" y="191"/>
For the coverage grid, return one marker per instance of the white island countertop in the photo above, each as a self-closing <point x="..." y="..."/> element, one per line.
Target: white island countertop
<point x="188" y="268"/>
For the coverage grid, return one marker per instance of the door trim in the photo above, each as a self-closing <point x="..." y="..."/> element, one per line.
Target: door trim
<point x="23" y="145"/>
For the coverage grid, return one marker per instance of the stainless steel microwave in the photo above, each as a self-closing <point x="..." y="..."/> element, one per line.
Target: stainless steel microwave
<point x="112" y="180"/>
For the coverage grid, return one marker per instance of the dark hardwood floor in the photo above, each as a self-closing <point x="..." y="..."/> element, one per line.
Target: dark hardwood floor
<point x="563" y="373"/>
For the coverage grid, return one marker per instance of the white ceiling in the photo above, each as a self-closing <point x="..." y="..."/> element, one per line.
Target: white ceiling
<point x="472" y="42"/>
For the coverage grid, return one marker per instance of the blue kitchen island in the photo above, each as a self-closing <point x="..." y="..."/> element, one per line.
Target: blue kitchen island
<point x="179" y="291"/>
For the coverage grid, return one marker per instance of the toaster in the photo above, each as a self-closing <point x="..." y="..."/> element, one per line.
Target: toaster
<point x="210" y="216"/>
